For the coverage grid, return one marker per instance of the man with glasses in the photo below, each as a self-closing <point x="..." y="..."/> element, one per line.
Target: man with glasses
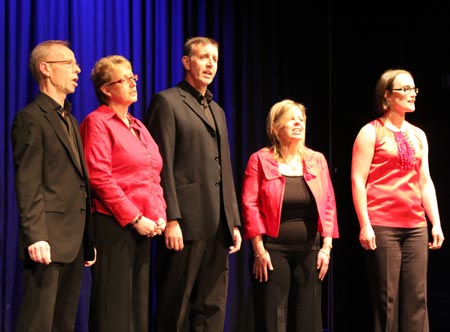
<point x="52" y="189"/>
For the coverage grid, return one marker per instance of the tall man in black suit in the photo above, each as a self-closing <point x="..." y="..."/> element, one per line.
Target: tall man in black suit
<point x="53" y="195"/>
<point x="202" y="210"/>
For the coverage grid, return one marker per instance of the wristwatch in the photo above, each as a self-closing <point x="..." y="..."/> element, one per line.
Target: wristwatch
<point x="137" y="220"/>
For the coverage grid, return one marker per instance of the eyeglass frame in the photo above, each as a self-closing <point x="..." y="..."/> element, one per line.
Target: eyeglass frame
<point x="407" y="90"/>
<point x="130" y="79"/>
<point x="70" y="63"/>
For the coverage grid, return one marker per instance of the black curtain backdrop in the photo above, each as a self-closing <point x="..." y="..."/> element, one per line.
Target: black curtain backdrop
<point x="326" y="54"/>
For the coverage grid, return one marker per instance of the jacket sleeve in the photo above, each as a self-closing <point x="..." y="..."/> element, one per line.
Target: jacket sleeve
<point x="251" y="202"/>
<point x="327" y="211"/>
<point x="28" y="149"/>
<point x="161" y="125"/>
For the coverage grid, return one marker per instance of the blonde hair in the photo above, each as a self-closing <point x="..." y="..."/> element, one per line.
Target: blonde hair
<point x="275" y="122"/>
<point x="101" y="74"/>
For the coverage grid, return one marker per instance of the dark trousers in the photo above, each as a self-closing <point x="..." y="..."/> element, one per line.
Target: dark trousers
<point x="290" y="301"/>
<point x="120" y="291"/>
<point x="51" y="296"/>
<point x="397" y="273"/>
<point x="191" y="286"/>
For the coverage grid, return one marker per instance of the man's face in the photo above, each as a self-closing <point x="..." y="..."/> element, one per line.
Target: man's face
<point x="201" y="66"/>
<point x="62" y="69"/>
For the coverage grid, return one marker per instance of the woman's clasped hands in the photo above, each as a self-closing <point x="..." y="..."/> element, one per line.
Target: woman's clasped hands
<point x="150" y="228"/>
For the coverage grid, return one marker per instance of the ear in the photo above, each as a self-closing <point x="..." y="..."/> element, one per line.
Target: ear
<point x="387" y="100"/>
<point x="44" y="69"/>
<point x="105" y="91"/>
<point x="186" y="62"/>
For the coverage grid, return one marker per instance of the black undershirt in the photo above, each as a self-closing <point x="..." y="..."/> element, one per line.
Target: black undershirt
<point x="299" y="218"/>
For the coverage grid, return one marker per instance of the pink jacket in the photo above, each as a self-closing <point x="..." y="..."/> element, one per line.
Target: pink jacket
<point x="263" y="190"/>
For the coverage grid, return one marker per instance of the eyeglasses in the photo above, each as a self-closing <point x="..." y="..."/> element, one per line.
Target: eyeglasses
<point x="407" y="90"/>
<point x="68" y="63"/>
<point x="128" y="80"/>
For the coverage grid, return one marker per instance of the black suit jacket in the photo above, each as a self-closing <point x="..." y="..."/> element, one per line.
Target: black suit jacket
<point x="52" y="190"/>
<point x="190" y="175"/>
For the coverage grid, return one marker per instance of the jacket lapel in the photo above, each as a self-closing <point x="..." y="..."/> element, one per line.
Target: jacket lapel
<point x="62" y="135"/>
<point x="269" y="165"/>
<point x="196" y="108"/>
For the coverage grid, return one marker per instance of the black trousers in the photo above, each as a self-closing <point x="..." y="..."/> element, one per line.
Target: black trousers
<point x="120" y="291"/>
<point x="397" y="273"/>
<point x="51" y="296"/>
<point x="290" y="301"/>
<point x="191" y="286"/>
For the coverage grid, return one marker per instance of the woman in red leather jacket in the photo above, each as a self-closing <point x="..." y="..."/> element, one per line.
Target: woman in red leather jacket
<point x="289" y="214"/>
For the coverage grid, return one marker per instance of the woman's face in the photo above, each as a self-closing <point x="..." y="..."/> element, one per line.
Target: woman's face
<point x="122" y="87"/>
<point x="292" y="127"/>
<point x="403" y="95"/>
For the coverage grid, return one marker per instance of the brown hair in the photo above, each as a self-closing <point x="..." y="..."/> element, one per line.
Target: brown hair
<point x="188" y="45"/>
<point x="383" y="86"/>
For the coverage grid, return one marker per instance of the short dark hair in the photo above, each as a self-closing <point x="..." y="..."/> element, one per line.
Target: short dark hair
<point x="187" y="49"/>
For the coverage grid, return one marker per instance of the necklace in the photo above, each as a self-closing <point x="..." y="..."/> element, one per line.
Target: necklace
<point x="292" y="167"/>
<point x="129" y="121"/>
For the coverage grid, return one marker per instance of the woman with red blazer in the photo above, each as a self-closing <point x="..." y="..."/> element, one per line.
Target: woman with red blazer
<point x="289" y="214"/>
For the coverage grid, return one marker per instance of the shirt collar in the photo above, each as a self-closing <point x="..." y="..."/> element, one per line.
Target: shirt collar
<point x="54" y="105"/>
<point x="196" y="94"/>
